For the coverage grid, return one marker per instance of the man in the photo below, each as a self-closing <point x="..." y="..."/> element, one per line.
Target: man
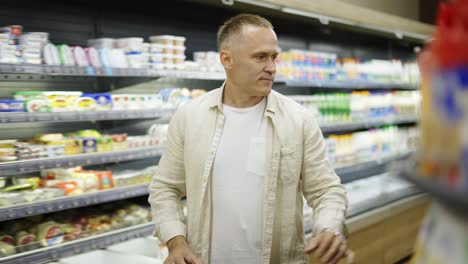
<point x="244" y="155"/>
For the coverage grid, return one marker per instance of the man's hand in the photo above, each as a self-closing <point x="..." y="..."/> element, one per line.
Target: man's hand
<point x="179" y="252"/>
<point x="329" y="248"/>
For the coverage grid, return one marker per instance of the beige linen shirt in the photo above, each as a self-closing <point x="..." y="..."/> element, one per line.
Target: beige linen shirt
<point x="297" y="167"/>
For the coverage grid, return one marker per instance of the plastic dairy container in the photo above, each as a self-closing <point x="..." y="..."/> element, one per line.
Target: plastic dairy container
<point x="145" y="47"/>
<point x="156" y="57"/>
<point x="25" y="95"/>
<point x="103" y="100"/>
<point x="92" y="55"/>
<point x="51" y="55"/>
<point x="62" y="101"/>
<point x="117" y="59"/>
<point x="136" y="59"/>
<point x="65" y="55"/>
<point x="168" y="49"/>
<point x="105" y="55"/>
<point x="79" y="56"/>
<point x="179" y="41"/>
<point x="156" y="48"/>
<point x="168" y="58"/>
<point x="11" y="106"/>
<point x="101" y="43"/>
<point x="162" y="39"/>
<point x="129" y="44"/>
<point x="179" y="50"/>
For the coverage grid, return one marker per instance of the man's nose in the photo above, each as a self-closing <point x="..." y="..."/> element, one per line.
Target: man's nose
<point x="270" y="67"/>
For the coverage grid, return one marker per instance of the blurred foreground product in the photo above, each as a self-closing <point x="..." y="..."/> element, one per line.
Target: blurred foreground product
<point x="444" y="109"/>
<point x="443" y="158"/>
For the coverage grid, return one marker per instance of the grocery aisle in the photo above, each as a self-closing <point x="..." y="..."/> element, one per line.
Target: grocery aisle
<point x="85" y="106"/>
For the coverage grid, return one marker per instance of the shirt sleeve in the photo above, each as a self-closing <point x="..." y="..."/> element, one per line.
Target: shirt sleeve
<point x="167" y="189"/>
<point x="321" y="186"/>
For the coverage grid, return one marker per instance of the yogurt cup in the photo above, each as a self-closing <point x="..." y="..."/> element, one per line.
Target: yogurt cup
<point x="157" y="57"/>
<point x="51" y="56"/>
<point x="162" y="39"/>
<point x="168" y="58"/>
<point x="179" y="50"/>
<point x="179" y="59"/>
<point x="129" y="44"/>
<point x="156" y="48"/>
<point x="179" y="41"/>
<point x="101" y="43"/>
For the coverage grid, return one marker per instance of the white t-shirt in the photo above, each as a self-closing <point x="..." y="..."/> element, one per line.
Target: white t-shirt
<point x="238" y="172"/>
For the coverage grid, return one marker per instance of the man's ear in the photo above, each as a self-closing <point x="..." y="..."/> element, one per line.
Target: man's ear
<point x="226" y="59"/>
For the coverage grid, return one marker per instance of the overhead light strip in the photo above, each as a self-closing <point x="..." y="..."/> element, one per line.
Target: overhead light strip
<point x="326" y="19"/>
<point x="259" y="3"/>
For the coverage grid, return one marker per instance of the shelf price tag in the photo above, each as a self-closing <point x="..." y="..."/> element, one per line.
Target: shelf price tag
<point x="108" y="71"/>
<point x="90" y="71"/>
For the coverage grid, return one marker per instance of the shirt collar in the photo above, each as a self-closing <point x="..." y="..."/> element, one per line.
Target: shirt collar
<point x="217" y="100"/>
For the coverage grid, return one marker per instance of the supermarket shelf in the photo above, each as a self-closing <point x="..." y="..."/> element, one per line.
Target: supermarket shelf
<point x="76" y="116"/>
<point x="381" y="201"/>
<point x="106" y="72"/>
<point x="366" y="169"/>
<point x="453" y="199"/>
<point x="352" y="85"/>
<point x="373" y="215"/>
<point x="341" y="127"/>
<point x="64" y="203"/>
<point x="23" y="166"/>
<point x="47" y="254"/>
<point x="47" y="70"/>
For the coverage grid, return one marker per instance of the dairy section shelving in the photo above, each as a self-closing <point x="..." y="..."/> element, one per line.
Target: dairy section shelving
<point x="114" y="141"/>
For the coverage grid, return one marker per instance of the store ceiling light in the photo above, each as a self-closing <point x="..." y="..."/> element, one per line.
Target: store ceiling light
<point x="323" y="19"/>
<point x="399" y="35"/>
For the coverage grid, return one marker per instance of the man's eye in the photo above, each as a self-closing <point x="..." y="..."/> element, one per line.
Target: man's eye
<point x="261" y="57"/>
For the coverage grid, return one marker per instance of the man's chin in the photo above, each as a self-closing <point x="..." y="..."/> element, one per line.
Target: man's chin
<point x="265" y="91"/>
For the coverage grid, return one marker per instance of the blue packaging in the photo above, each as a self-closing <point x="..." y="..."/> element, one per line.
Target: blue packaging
<point x="103" y="100"/>
<point x="11" y="106"/>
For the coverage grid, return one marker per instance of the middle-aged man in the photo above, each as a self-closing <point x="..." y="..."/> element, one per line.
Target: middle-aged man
<point x="244" y="156"/>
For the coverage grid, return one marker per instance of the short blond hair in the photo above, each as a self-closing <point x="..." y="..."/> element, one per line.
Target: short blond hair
<point x="235" y="24"/>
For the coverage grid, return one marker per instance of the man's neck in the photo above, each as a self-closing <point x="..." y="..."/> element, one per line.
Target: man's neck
<point x="234" y="97"/>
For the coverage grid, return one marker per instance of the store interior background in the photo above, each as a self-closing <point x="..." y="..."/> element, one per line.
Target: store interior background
<point x="381" y="235"/>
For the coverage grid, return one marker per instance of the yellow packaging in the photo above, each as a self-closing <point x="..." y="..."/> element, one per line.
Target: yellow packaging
<point x="72" y="147"/>
<point x="62" y="101"/>
<point x="89" y="180"/>
<point x="34" y="181"/>
<point x="85" y="104"/>
<point x="104" y="144"/>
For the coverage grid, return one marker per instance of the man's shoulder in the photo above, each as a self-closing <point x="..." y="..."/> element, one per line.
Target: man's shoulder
<point x="200" y="103"/>
<point x="288" y="106"/>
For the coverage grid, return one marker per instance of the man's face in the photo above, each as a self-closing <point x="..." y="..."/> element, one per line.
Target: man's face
<point x="254" y="53"/>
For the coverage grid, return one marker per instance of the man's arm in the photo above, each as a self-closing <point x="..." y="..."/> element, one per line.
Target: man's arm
<point x="324" y="192"/>
<point x="321" y="186"/>
<point x="167" y="190"/>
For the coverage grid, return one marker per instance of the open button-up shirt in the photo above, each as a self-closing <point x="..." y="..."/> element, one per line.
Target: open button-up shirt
<point x="297" y="167"/>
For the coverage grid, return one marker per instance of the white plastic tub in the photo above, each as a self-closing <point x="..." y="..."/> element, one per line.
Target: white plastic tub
<point x="101" y="43"/>
<point x="106" y="257"/>
<point x="156" y="48"/>
<point x="148" y="247"/>
<point x="168" y="40"/>
<point x="179" y="50"/>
